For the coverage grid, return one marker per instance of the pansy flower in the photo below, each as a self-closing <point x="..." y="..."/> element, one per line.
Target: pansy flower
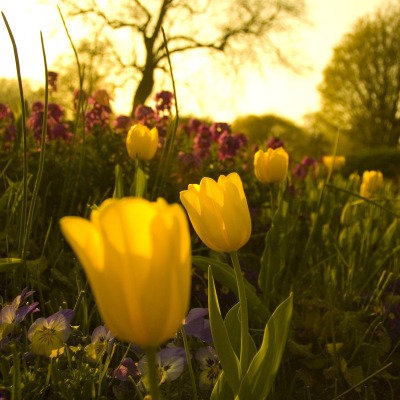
<point x="171" y="362"/>
<point x="48" y="335"/>
<point x="210" y="367"/>
<point x="13" y="314"/>
<point x="126" y="369"/>
<point x="102" y="342"/>
<point x="197" y="326"/>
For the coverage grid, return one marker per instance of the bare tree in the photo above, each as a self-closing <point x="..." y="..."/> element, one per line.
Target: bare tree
<point x="225" y="26"/>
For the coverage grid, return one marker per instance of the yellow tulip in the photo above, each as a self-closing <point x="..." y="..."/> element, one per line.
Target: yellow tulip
<point x="271" y="166"/>
<point x="137" y="257"/>
<point x="218" y="212"/>
<point x="142" y="142"/>
<point x="372" y="181"/>
<point x="334" y="163"/>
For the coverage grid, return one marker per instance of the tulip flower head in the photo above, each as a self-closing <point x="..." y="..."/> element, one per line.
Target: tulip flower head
<point x="142" y="142"/>
<point x="334" y="163"/>
<point x="271" y="166"/>
<point x="137" y="257"/>
<point x="219" y="212"/>
<point x="372" y="181"/>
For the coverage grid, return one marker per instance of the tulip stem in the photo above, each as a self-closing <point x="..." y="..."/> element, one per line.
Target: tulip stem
<point x="153" y="373"/>
<point x="140" y="181"/>
<point x="272" y="192"/>
<point x="189" y="363"/>
<point x="244" y="317"/>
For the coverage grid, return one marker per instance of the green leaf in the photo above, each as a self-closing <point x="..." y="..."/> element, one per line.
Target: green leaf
<point x="139" y="183"/>
<point x="273" y="259"/>
<point x="7" y="264"/>
<point x="260" y="376"/>
<point x="225" y="275"/>
<point x="232" y="323"/>
<point x="227" y="356"/>
<point x="221" y="390"/>
<point x="119" y="183"/>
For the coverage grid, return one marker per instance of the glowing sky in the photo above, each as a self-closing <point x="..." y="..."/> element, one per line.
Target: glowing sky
<point x="201" y="88"/>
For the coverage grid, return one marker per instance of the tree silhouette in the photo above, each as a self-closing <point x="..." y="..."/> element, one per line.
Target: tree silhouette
<point x="360" y="91"/>
<point x="237" y="27"/>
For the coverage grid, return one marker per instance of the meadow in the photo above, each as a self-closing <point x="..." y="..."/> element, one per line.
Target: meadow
<point x="293" y="287"/>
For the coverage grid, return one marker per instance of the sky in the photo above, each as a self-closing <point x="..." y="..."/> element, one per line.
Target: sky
<point x="202" y="89"/>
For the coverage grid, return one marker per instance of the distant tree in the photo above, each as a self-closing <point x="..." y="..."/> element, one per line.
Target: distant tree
<point x="9" y="93"/>
<point x="297" y="141"/>
<point x="360" y="91"/>
<point x="92" y="54"/>
<point x="237" y="27"/>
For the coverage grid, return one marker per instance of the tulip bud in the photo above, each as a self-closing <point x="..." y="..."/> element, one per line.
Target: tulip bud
<point x="334" y="163"/>
<point x="271" y="166"/>
<point x="137" y="256"/>
<point x="218" y="212"/>
<point x="142" y="142"/>
<point x="372" y="181"/>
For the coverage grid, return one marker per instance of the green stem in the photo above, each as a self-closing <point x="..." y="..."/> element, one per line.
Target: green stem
<point x="153" y="373"/>
<point x="139" y="182"/>
<point x="189" y="363"/>
<point x="272" y="200"/>
<point x="244" y="317"/>
<point x="137" y="390"/>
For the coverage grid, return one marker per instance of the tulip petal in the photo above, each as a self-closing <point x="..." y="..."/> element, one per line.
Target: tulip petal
<point x="124" y="227"/>
<point x="199" y="215"/>
<point x="85" y="241"/>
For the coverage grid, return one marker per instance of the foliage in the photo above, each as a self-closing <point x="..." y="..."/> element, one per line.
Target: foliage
<point x="299" y="141"/>
<point x="339" y="254"/>
<point x="361" y="84"/>
<point x="384" y="159"/>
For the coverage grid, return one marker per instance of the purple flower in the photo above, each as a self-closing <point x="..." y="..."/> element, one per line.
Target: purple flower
<point x="55" y="128"/>
<point x="6" y="113"/>
<point x="164" y="101"/>
<point x="309" y="161"/>
<point x="171" y="363"/>
<point x="229" y="145"/>
<point x="307" y="164"/>
<point x="12" y="315"/>
<point x="202" y="141"/>
<point x="55" y="112"/>
<point x="188" y="161"/>
<point x="144" y="115"/>
<point x="209" y="365"/>
<point x="102" y="342"/>
<point x="48" y="335"/>
<point x="122" y="123"/>
<point x="126" y="369"/>
<point x="299" y="171"/>
<point x="197" y="326"/>
<point x="217" y="128"/>
<point x="97" y="117"/>
<point x="274" y="143"/>
<point x="9" y="136"/>
<point x="192" y="127"/>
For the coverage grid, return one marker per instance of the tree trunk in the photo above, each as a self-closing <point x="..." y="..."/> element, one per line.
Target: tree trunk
<point x="144" y="89"/>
